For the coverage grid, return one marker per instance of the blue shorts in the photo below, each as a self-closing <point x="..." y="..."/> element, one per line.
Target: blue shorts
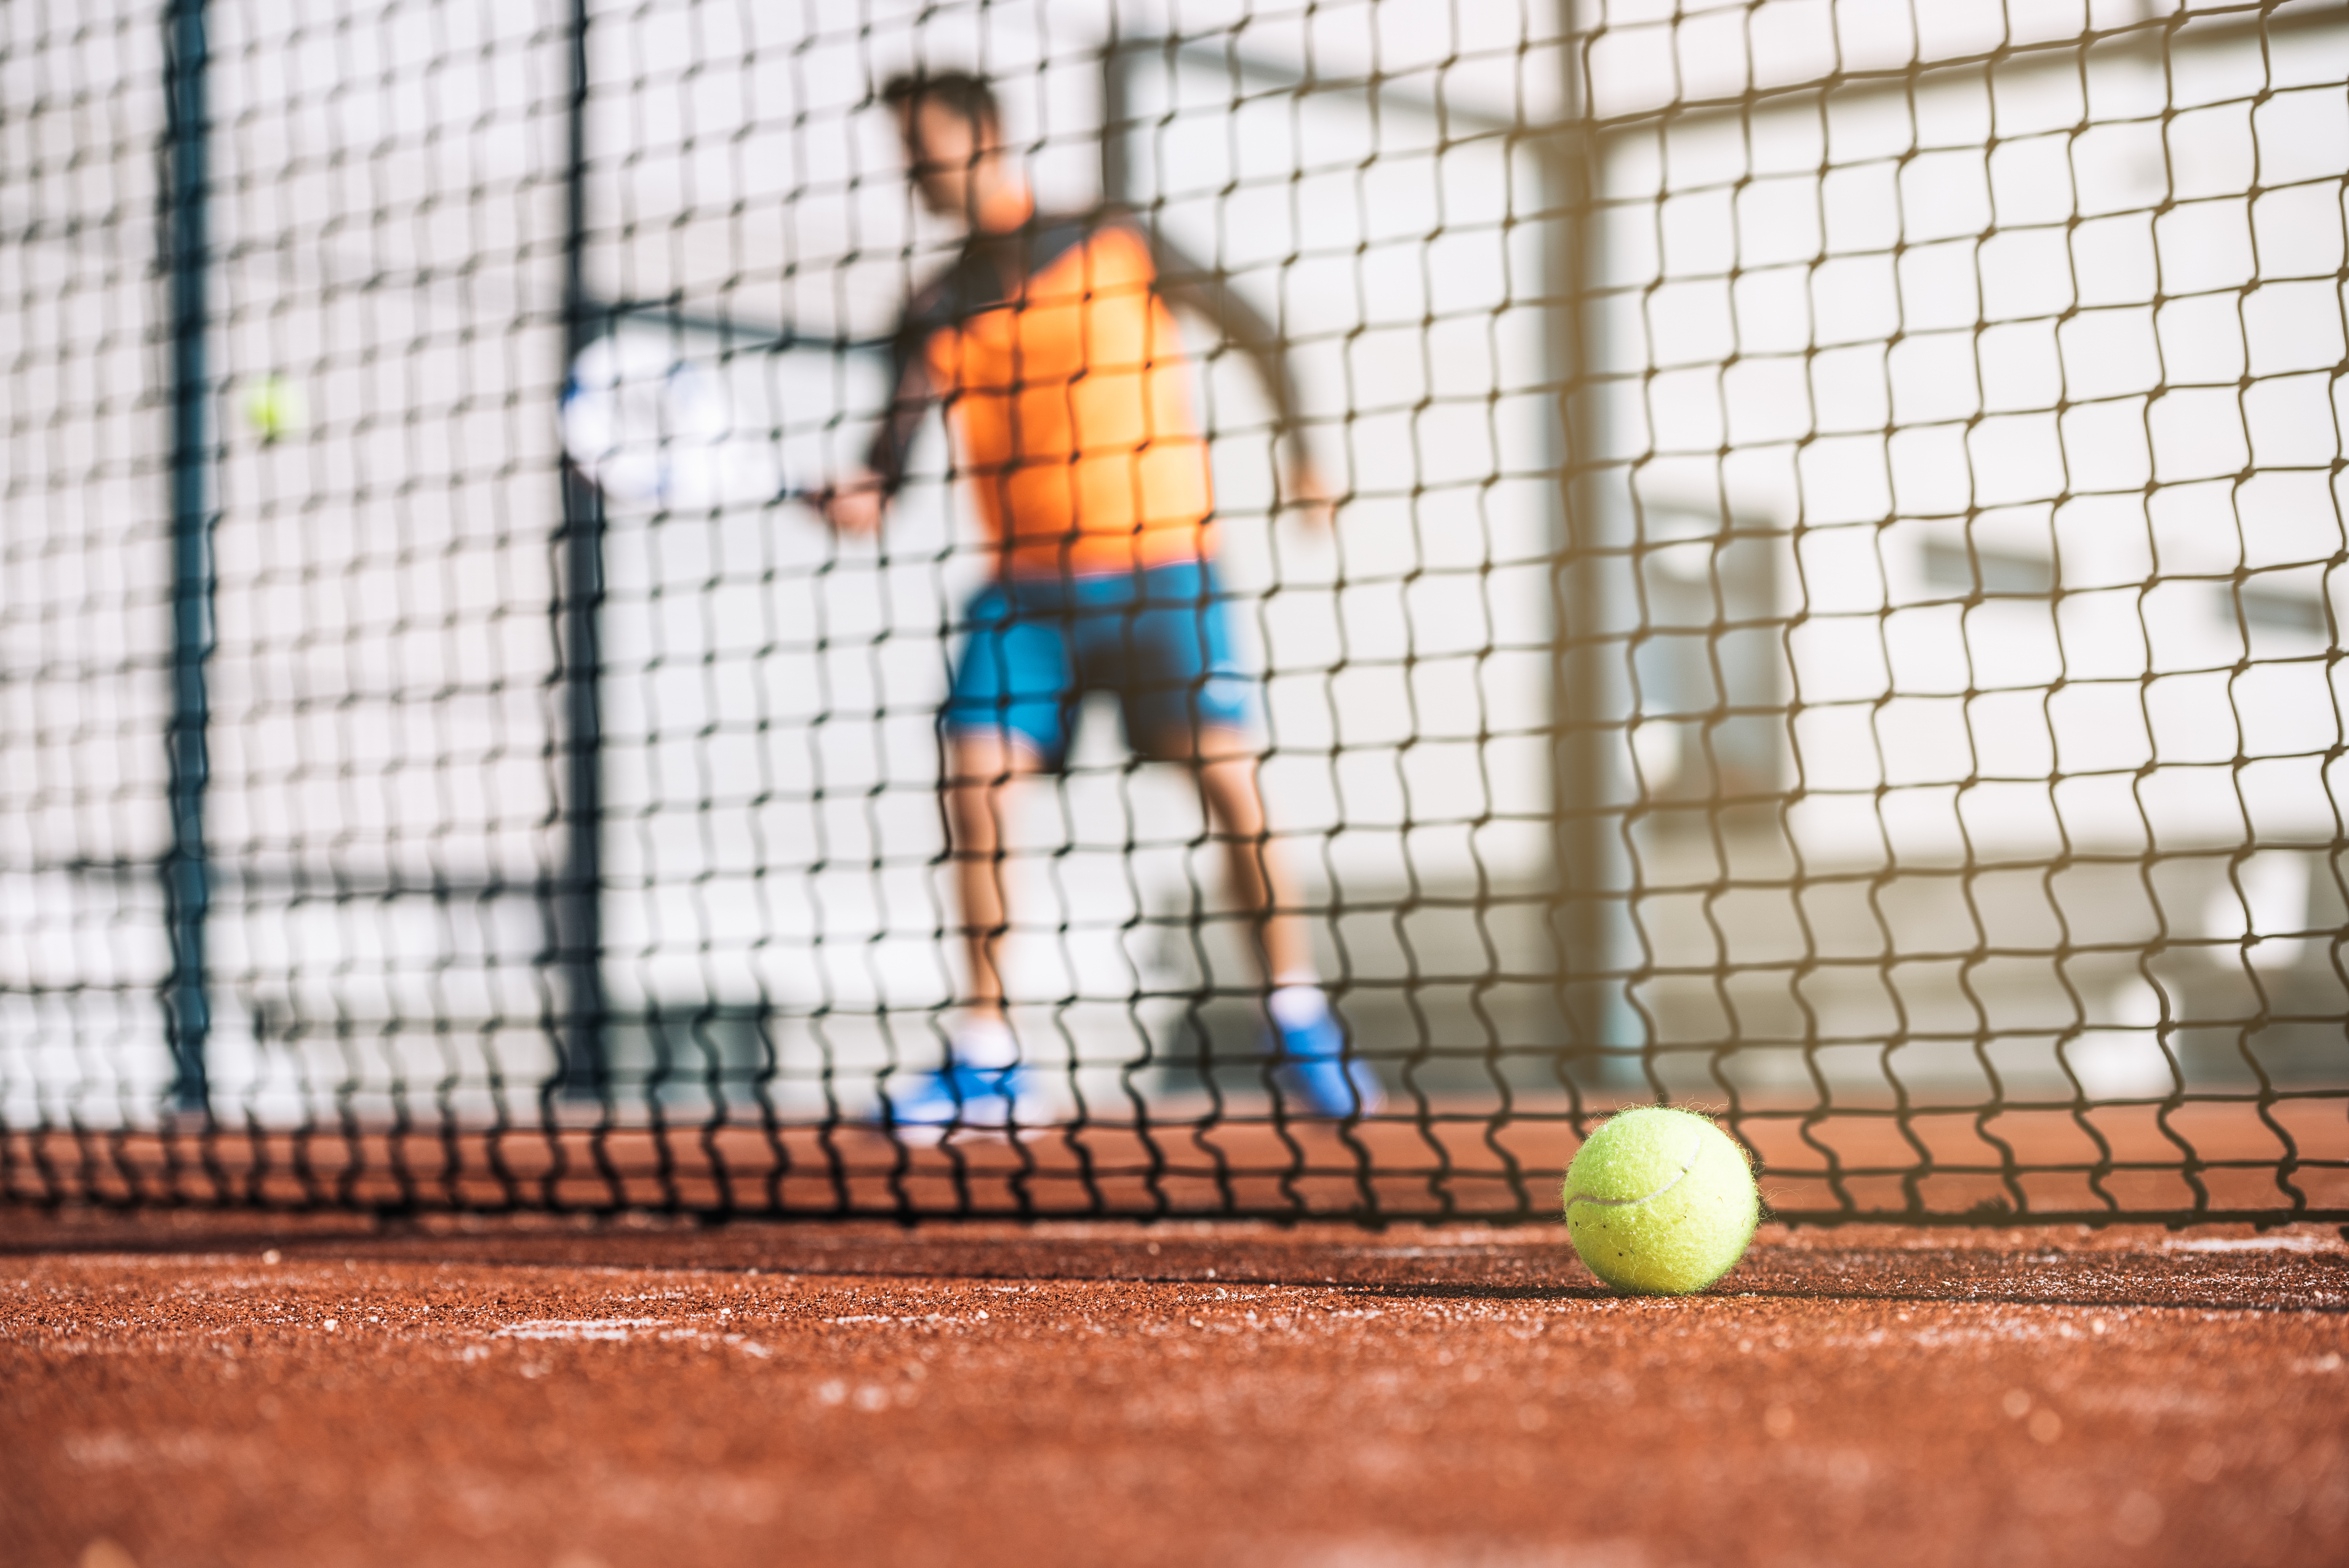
<point x="1160" y="638"/>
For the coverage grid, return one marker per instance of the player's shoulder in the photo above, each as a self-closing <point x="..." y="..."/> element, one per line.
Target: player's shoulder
<point x="1166" y="259"/>
<point x="1113" y="240"/>
<point x="1053" y="235"/>
<point x="1115" y="217"/>
<point x="937" y="301"/>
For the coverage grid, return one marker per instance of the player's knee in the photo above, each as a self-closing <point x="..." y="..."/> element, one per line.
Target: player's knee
<point x="980" y="761"/>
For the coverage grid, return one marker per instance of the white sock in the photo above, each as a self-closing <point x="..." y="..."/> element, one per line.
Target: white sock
<point x="1297" y="1005"/>
<point x="984" y="1042"/>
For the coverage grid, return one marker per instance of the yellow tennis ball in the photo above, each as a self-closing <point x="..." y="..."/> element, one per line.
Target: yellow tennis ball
<point x="274" y="408"/>
<point x="1661" y="1202"/>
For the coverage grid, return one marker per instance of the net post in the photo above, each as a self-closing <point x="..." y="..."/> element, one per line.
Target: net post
<point x="187" y="872"/>
<point x="1115" y="166"/>
<point x="1590" y="718"/>
<point x="575" y="918"/>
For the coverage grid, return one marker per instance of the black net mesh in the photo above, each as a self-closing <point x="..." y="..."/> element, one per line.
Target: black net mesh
<point x="1830" y="615"/>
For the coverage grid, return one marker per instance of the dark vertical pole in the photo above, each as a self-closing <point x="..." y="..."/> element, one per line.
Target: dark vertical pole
<point x="1115" y="171"/>
<point x="187" y="876"/>
<point x="1593" y="586"/>
<point x="578" y="911"/>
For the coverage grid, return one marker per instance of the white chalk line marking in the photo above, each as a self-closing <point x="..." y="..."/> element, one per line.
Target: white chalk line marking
<point x="579" y="1328"/>
<point x="2252" y="1244"/>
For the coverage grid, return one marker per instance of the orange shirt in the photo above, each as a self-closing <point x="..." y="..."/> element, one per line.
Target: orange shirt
<point x="1070" y="395"/>
<point x="1072" y="408"/>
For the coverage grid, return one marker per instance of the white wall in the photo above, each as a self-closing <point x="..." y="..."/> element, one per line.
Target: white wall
<point x="1905" y="346"/>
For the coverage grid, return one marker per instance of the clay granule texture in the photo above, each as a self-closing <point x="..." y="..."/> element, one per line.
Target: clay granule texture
<point x="199" y="1389"/>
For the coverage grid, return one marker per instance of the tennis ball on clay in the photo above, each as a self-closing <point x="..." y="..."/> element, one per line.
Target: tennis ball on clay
<point x="274" y="408"/>
<point x="1661" y="1202"/>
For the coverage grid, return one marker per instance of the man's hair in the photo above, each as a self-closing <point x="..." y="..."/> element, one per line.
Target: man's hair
<point x="957" y="92"/>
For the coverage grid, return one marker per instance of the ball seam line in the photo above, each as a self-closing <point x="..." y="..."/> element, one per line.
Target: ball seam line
<point x="1696" y="1152"/>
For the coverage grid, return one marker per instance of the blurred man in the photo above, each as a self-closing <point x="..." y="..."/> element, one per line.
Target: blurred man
<point x="1066" y="385"/>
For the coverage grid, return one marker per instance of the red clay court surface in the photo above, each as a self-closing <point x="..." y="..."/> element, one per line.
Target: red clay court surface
<point x="195" y="1388"/>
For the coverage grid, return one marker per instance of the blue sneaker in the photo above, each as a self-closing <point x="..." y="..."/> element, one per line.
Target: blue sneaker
<point x="961" y="1096"/>
<point x="1315" y="1069"/>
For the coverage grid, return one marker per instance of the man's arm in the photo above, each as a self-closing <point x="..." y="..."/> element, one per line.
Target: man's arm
<point x="1186" y="281"/>
<point x="911" y="393"/>
<point x="854" y="503"/>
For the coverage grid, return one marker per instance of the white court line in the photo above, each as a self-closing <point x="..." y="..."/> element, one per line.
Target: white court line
<point x="2253" y="1245"/>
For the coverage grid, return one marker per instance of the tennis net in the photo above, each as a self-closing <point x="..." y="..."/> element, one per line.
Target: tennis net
<point x="1831" y="613"/>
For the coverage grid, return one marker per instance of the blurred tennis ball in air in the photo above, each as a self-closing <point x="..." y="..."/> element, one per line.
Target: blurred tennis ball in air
<point x="1661" y="1202"/>
<point x="275" y="407"/>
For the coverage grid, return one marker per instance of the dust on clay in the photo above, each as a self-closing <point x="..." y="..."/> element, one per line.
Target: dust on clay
<point x="198" y="1389"/>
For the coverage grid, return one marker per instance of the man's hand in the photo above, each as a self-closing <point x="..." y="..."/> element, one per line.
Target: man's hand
<point x="1308" y="496"/>
<point x="853" y="506"/>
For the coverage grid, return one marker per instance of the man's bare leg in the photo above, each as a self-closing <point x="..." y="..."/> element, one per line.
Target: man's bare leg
<point x="1261" y="881"/>
<point x="981" y="1085"/>
<point x="981" y="766"/>
<point x="1226" y="765"/>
